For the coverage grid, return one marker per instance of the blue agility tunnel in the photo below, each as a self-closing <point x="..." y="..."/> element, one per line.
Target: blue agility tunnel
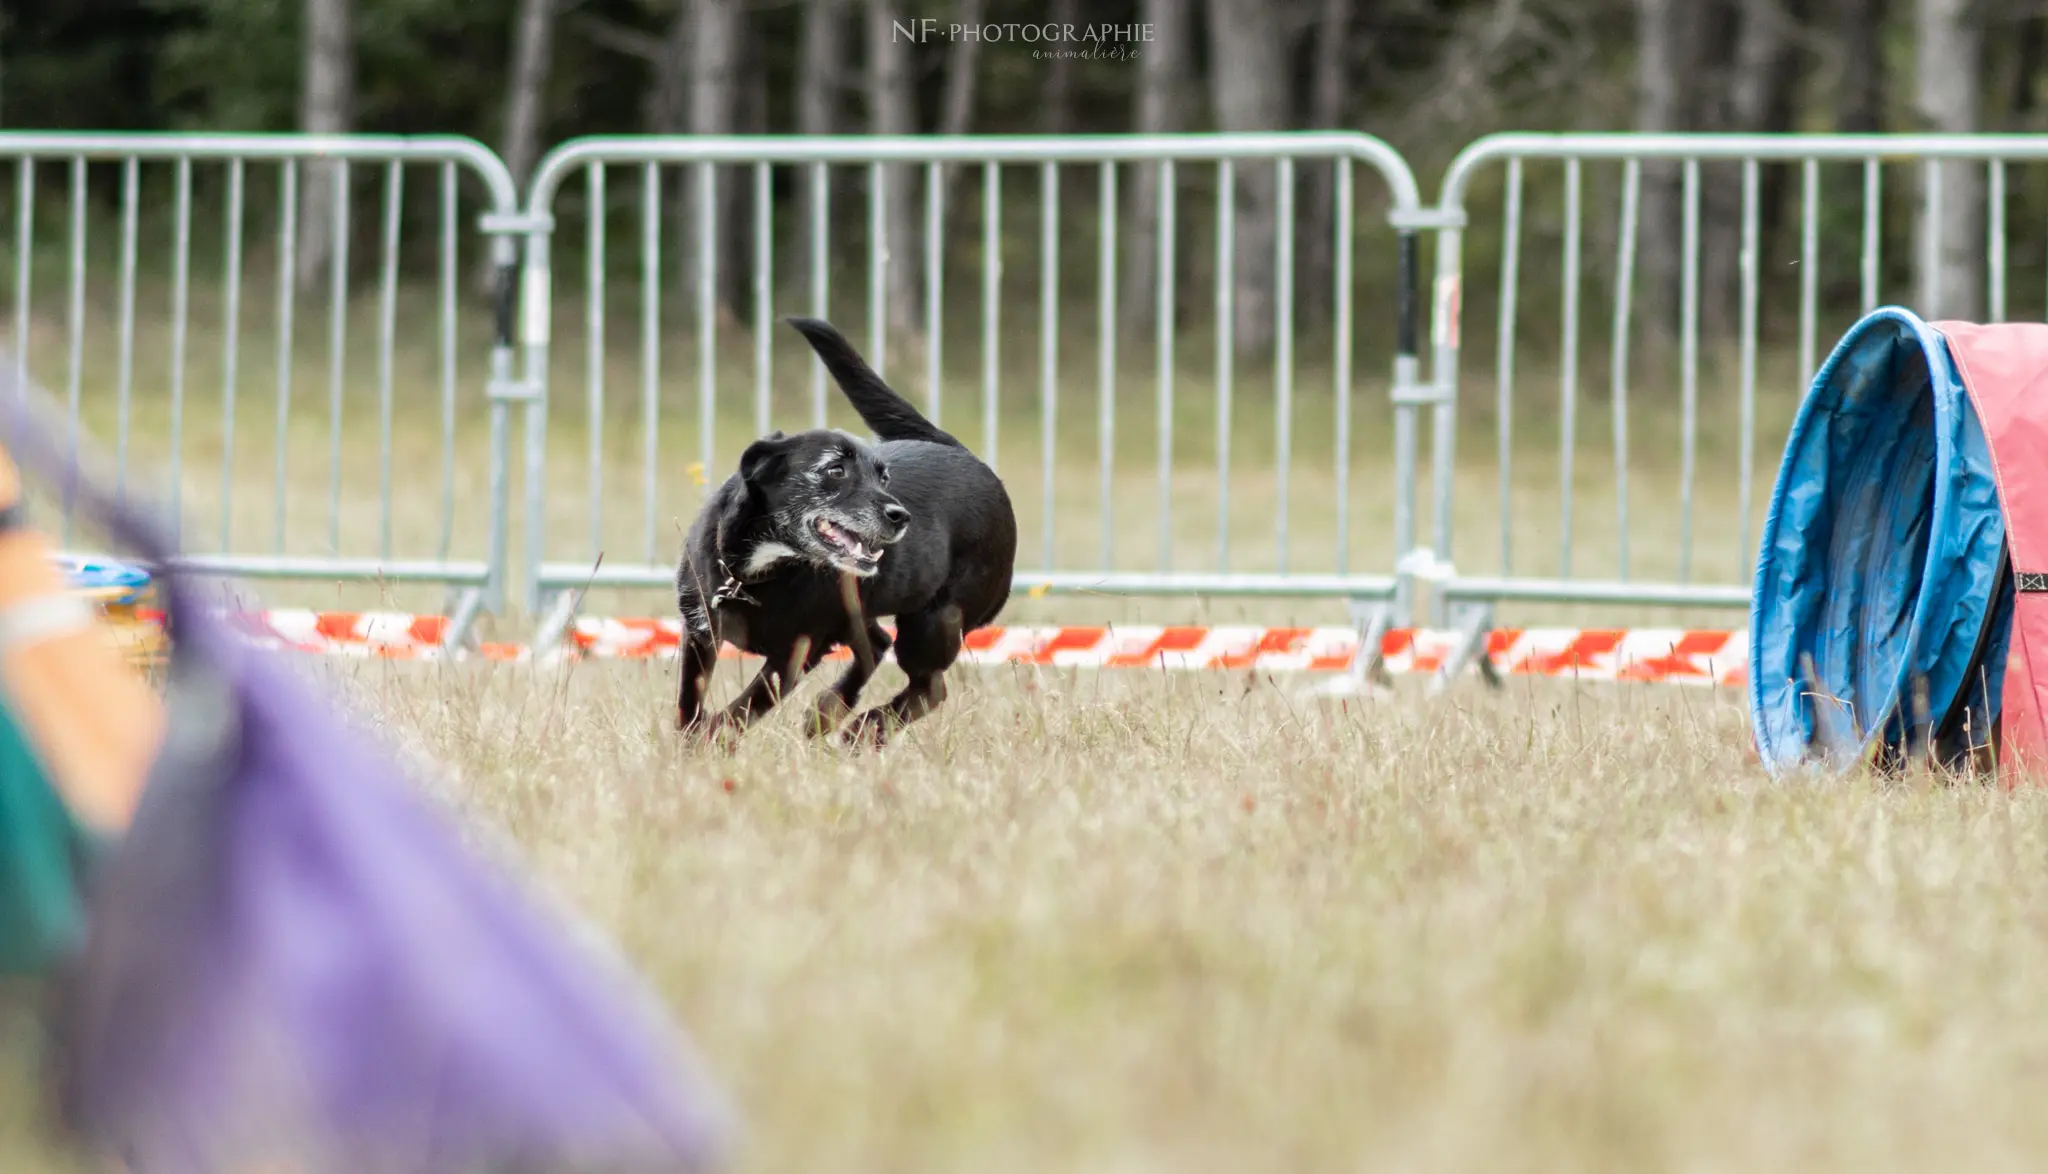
<point x="1883" y="595"/>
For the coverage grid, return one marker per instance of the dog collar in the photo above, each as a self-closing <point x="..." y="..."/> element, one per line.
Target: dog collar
<point x="732" y="590"/>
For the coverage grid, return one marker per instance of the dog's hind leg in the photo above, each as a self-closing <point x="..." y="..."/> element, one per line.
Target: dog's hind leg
<point x="927" y="644"/>
<point x="840" y="697"/>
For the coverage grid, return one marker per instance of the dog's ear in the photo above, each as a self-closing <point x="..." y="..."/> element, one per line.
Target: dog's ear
<point x="763" y="458"/>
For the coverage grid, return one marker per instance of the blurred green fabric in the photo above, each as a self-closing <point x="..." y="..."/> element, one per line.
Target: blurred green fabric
<point x="42" y="850"/>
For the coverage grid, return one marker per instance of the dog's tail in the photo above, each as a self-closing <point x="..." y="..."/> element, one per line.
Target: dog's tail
<point x="890" y="415"/>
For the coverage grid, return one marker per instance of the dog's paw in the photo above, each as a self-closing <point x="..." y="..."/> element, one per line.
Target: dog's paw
<point x="870" y="731"/>
<point x="716" y="732"/>
<point x="827" y="715"/>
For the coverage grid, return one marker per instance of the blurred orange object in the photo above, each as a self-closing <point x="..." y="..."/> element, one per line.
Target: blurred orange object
<point x="68" y="680"/>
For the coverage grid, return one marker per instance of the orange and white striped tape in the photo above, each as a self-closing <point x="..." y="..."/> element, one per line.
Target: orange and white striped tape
<point x="1642" y="654"/>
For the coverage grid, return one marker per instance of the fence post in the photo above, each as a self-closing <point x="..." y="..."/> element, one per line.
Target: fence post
<point x="1410" y="394"/>
<point x="515" y="307"/>
<point x="537" y="314"/>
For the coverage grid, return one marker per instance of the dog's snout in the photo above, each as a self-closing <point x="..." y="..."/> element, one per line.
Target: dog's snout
<point x="896" y="515"/>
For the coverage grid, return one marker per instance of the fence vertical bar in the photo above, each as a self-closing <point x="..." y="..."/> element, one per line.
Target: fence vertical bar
<point x="991" y="285"/>
<point x="1226" y="336"/>
<point x="337" y="344"/>
<point x="707" y="321"/>
<point x="230" y="350"/>
<point x="821" y="275"/>
<point x="1048" y="343"/>
<point x="387" y="329"/>
<point x="75" y="322"/>
<point x="934" y="283"/>
<point x="1689" y="352"/>
<point x="1994" y="244"/>
<point x="181" y="305"/>
<point x="1504" y="358"/>
<point x="1624" y="289"/>
<point x="24" y="240"/>
<point x="1105" y="374"/>
<point x="764" y="296"/>
<point x="1283" y="357"/>
<point x="1749" y="262"/>
<point x="593" y="347"/>
<point x="878" y="266"/>
<point x="450" y="276"/>
<point x="1340" y="369"/>
<point x="1164" y="315"/>
<point x="1873" y="231"/>
<point x="650" y="348"/>
<point x="1809" y="264"/>
<point x="1568" y="370"/>
<point x="1930" y="238"/>
<point x="287" y="282"/>
<point x="124" y="378"/>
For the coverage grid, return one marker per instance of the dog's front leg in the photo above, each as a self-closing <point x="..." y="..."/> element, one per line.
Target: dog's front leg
<point x="765" y="690"/>
<point x="699" y="657"/>
<point x="839" y="699"/>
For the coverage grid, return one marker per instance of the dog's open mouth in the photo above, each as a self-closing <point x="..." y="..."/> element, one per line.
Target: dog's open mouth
<point x="842" y="542"/>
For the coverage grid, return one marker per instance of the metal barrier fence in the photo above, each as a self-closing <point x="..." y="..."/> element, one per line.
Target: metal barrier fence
<point x="137" y="373"/>
<point x="1067" y="470"/>
<point x="128" y="364"/>
<point x="1770" y="271"/>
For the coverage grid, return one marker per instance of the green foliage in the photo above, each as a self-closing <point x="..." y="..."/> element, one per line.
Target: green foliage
<point x="230" y="65"/>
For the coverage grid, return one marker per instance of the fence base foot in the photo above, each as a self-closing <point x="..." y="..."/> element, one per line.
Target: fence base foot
<point x="557" y="614"/>
<point x="1474" y="622"/>
<point x="1368" y="672"/>
<point x="462" y="617"/>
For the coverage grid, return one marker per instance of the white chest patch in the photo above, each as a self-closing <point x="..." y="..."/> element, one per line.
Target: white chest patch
<point x="765" y="556"/>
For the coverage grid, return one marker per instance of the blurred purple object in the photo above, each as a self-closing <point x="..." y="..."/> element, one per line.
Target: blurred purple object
<point x="293" y="962"/>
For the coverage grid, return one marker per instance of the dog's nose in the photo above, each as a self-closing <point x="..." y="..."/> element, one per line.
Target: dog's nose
<point x="896" y="515"/>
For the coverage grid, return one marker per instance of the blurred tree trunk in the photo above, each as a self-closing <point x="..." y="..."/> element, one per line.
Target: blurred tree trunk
<point x="963" y="71"/>
<point x="1947" y="87"/>
<point x="533" y="45"/>
<point x="1715" y="102"/>
<point x="533" y="48"/>
<point x="1762" y="100"/>
<point x="1251" y="94"/>
<point x="956" y="116"/>
<point x="715" y="66"/>
<point x="668" y="90"/>
<point x="1860" y="28"/>
<point x="1666" y="68"/>
<point x="1328" y="101"/>
<point x="1163" y="70"/>
<point x="2028" y="54"/>
<point x="695" y="91"/>
<point x="326" y="106"/>
<point x="752" y="120"/>
<point x="1059" y="74"/>
<point x="818" y="91"/>
<point x="892" y="111"/>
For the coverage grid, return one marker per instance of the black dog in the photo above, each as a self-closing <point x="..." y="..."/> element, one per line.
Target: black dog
<point x="819" y="533"/>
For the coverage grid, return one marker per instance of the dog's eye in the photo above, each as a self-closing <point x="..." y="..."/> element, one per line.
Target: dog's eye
<point x="884" y="475"/>
<point x="835" y="471"/>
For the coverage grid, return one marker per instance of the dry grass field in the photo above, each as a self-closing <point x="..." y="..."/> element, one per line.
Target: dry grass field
<point x="1125" y="921"/>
